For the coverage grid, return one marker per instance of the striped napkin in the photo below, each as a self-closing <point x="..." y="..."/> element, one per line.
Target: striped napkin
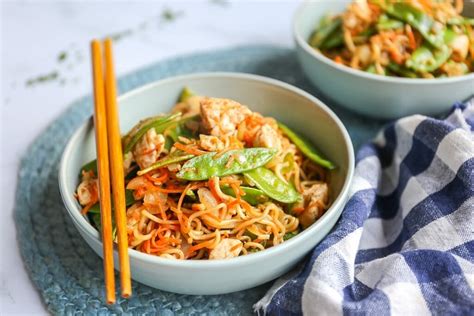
<point x="405" y="242"/>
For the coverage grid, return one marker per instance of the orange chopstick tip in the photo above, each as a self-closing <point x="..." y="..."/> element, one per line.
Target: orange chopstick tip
<point x="95" y="43"/>
<point x="126" y="294"/>
<point x="107" y="41"/>
<point x="111" y="300"/>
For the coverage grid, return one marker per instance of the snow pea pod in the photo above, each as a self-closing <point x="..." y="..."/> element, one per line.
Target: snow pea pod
<point x="237" y="161"/>
<point x="425" y="59"/>
<point x="336" y="39"/>
<point x="373" y="70"/>
<point x="386" y="23"/>
<point x="180" y="129"/>
<point x="252" y="195"/>
<point x="419" y="20"/>
<point x="178" y="156"/>
<point x="290" y="235"/>
<point x="401" y="70"/>
<point x="186" y="93"/>
<point x="190" y="194"/>
<point x="90" y="166"/>
<point x="460" y="20"/>
<point x="271" y="185"/>
<point x="364" y="36"/>
<point x="95" y="219"/>
<point x="449" y="36"/>
<point x="306" y="147"/>
<point x="129" y="200"/>
<point x="159" y="123"/>
<point x="324" y="31"/>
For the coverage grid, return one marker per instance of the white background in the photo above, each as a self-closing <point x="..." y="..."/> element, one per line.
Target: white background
<point x="33" y="35"/>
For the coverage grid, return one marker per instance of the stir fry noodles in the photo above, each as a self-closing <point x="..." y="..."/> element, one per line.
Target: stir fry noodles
<point x="412" y="38"/>
<point x="214" y="180"/>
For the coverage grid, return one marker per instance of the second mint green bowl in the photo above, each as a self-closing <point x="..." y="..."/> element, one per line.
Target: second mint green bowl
<point x="365" y="93"/>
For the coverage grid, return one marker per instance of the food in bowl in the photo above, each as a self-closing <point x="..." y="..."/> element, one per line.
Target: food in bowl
<point x="214" y="180"/>
<point x="413" y="39"/>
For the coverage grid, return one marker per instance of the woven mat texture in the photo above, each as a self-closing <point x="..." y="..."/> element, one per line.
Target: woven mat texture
<point x="66" y="272"/>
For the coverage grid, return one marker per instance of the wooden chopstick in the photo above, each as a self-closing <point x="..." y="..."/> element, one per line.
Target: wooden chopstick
<point x="116" y="168"/>
<point x="100" y="124"/>
<point x="109" y="145"/>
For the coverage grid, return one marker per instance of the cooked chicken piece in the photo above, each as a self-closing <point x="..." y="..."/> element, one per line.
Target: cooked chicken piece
<point x="127" y="161"/>
<point x="138" y="184"/>
<point x="190" y="107"/>
<point x="227" y="248"/>
<point x="149" y="148"/>
<point x="267" y="137"/>
<point x="460" y="47"/>
<point x="364" y="54"/>
<point x="315" y="200"/>
<point x="174" y="167"/>
<point x="442" y="11"/>
<point x="87" y="191"/>
<point x="208" y="200"/>
<point x="357" y="16"/>
<point x="210" y="143"/>
<point x="155" y="198"/>
<point x="133" y="216"/>
<point x="221" y="116"/>
<point x="453" y="69"/>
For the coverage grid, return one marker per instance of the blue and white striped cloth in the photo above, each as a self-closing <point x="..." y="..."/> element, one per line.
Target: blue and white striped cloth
<point x="405" y="242"/>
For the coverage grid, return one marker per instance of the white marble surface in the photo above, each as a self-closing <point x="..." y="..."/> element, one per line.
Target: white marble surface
<point x="34" y="33"/>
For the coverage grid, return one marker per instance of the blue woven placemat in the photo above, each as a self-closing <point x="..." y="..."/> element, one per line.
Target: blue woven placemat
<point x="67" y="273"/>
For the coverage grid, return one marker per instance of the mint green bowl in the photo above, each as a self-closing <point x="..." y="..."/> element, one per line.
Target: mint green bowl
<point x="365" y="93"/>
<point x="291" y="105"/>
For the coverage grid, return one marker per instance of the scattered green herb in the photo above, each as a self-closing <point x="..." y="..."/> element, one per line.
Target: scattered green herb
<point x="168" y="15"/>
<point x="222" y="3"/>
<point x="52" y="76"/>
<point x="62" y="56"/>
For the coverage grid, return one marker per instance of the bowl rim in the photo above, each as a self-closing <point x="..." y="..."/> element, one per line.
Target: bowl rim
<point x="74" y="212"/>
<point x="303" y="43"/>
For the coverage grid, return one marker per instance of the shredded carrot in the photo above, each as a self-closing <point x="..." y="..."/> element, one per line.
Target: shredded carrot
<point x="147" y="151"/>
<point x="395" y="55"/>
<point x="87" y="207"/>
<point x="235" y="247"/>
<point x="158" y="180"/>
<point x="214" y="217"/>
<point x="178" y="209"/>
<point x="237" y="190"/>
<point x="146" y="246"/>
<point x="229" y="180"/>
<point x="338" y="60"/>
<point x="212" y="187"/>
<point x="232" y="203"/>
<point x="162" y="211"/>
<point x="179" y="190"/>
<point x="459" y="5"/>
<point x="189" y="149"/>
<point x="205" y="244"/>
<point x="298" y="210"/>
<point x="411" y="37"/>
<point x="245" y="205"/>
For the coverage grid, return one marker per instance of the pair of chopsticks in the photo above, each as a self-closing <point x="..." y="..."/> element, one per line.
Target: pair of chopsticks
<point x="110" y="168"/>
